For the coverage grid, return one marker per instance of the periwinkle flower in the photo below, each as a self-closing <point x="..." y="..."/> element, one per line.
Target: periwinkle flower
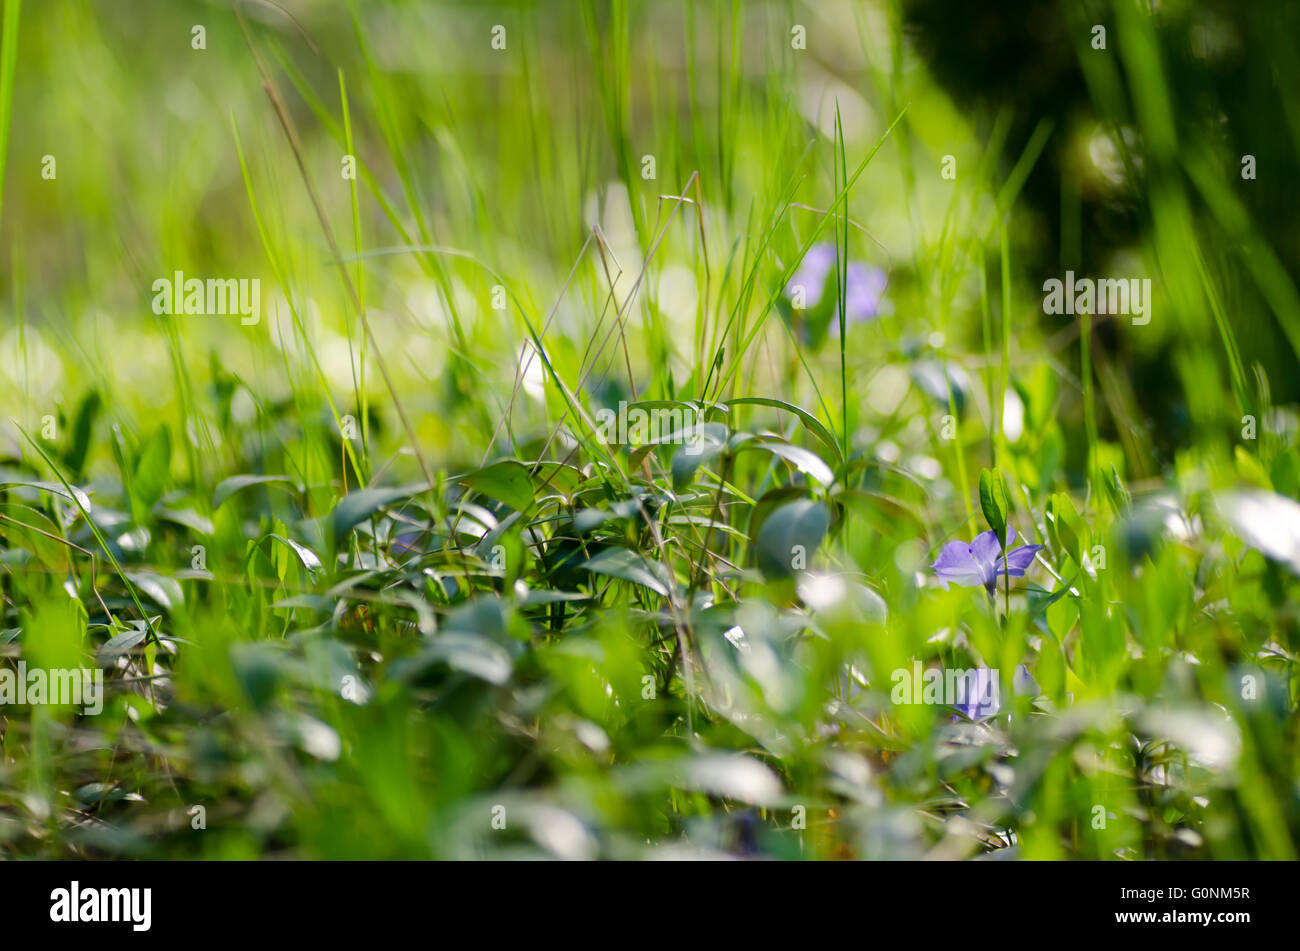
<point x="812" y="273"/>
<point x="864" y="288"/>
<point x="980" y="563"/>
<point x="982" y="695"/>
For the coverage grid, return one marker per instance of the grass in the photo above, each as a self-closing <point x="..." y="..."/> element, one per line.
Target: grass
<point x="366" y="582"/>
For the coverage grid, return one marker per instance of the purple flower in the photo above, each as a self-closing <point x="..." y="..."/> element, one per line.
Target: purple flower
<point x="812" y="273"/>
<point x="982" y="693"/>
<point x="981" y="561"/>
<point x="864" y="285"/>
<point x="979" y="694"/>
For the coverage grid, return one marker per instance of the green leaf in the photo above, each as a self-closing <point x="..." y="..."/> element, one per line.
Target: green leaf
<point x="472" y="654"/>
<point x="708" y="441"/>
<point x="940" y="380"/>
<point x="355" y="507"/>
<point x="535" y="597"/>
<point x="152" y="472"/>
<point x="884" y="513"/>
<point x="258" y="669"/>
<point x="310" y="560"/>
<point x="55" y="488"/>
<point x="768" y="503"/>
<point x="788" y="537"/>
<point x="74" y="459"/>
<point x="804" y="460"/>
<point x="163" y="591"/>
<point x="228" y="487"/>
<point x="115" y="647"/>
<point x="27" y="528"/>
<point x="994" y="502"/>
<point x="626" y="565"/>
<point x="506" y="481"/>
<point x="811" y="422"/>
<point x="556" y="476"/>
<point x="1064" y="526"/>
<point x="187" y="517"/>
<point x="1115" y="490"/>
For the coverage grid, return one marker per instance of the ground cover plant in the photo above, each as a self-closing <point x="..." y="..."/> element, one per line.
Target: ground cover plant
<point x="628" y="430"/>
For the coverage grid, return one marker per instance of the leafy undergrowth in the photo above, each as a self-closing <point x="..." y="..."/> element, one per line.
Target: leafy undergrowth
<point x="667" y="650"/>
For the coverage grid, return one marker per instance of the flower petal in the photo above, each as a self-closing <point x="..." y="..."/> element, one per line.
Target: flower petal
<point x="812" y="273"/>
<point x="956" y="565"/>
<point x="865" y="287"/>
<point x="985" y="550"/>
<point x="981" y="694"/>
<point x="1023" y="683"/>
<point x="1018" y="560"/>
